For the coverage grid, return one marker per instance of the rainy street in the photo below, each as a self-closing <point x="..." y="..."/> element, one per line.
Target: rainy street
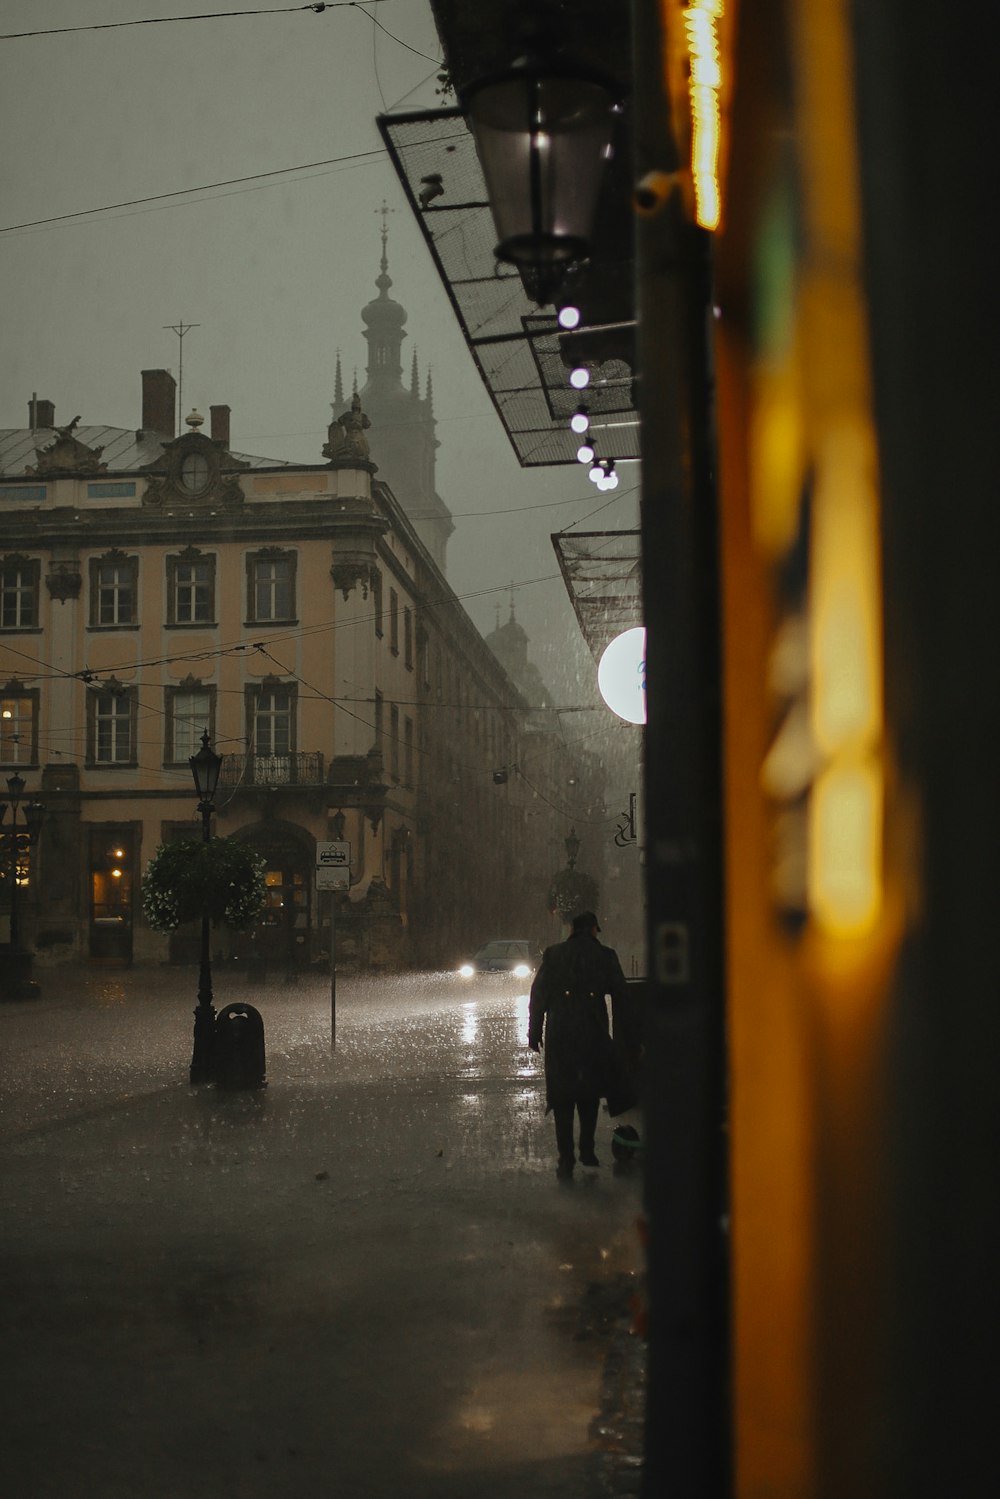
<point x="363" y="1279"/>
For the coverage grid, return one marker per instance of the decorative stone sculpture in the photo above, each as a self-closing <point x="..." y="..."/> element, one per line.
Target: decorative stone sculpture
<point x="346" y="433"/>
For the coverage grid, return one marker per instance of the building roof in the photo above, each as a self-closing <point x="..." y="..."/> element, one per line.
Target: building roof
<point x="125" y="451"/>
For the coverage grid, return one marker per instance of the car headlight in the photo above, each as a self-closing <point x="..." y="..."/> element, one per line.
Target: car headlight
<point x="521" y="971"/>
<point x="467" y="971"/>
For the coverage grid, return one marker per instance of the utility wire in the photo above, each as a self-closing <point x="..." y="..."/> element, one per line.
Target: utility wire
<point x="180" y="192"/>
<point x="211" y="15"/>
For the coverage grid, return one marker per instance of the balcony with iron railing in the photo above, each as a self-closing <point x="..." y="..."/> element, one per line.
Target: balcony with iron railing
<point x="301" y="769"/>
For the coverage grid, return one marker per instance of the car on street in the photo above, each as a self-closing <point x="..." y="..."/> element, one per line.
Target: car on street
<point x="510" y="955"/>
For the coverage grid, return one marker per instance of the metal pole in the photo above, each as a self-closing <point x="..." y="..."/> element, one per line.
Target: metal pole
<point x="15" y="926"/>
<point x="688" y="1428"/>
<point x="333" y="970"/>
<point x="202" y="1068"/>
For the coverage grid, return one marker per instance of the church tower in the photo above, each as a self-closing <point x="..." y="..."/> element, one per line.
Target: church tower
<point x="402" y="439"/>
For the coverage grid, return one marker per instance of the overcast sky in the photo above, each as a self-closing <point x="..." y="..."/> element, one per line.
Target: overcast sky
<point x="274" y="272"/>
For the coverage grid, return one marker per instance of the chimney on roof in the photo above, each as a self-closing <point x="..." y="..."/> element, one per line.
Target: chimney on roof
<point x="41" y="413"/>
<point x="219" y="418"/>
<point x="159" y="403"/>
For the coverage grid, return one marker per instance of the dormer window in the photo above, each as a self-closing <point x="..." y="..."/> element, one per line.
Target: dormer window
<point x="195" y="473"/>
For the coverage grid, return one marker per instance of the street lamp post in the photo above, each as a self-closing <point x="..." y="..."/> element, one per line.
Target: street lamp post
<point x="33" y="814"/>
<point x="205" y="768"/>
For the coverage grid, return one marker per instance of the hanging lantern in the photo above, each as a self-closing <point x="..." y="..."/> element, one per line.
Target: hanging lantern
<point x="543" y="133"/>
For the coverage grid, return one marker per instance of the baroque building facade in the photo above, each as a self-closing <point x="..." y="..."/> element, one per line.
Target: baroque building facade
<point x="153" y="587"/>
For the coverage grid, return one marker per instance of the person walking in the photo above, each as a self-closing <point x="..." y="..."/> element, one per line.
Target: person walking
<point x="568" y="1015"/>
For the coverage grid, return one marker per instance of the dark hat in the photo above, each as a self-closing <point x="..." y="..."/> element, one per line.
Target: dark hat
<point x="585" y="922"/>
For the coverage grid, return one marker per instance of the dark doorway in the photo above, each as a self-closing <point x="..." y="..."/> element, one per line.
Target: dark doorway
<point x="112" y="891"/>
<point x="282" y="936"/>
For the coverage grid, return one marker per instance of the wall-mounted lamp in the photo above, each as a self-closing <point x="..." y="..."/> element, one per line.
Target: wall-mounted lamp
<point x="543" y="132"/>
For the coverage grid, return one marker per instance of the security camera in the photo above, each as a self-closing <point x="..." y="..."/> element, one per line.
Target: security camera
<point x="652" y="192"/>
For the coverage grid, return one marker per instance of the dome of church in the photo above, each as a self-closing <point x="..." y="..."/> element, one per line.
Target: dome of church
<point x="382" y="313"/>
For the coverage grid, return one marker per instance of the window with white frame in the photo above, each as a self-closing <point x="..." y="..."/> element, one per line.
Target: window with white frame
<point x="272" y="719"/>
<point x="394" y="742"/>
<point x="18" y="725"/>
<point x="189" y="714"/>
<point x="408" y="638"/>
<point x="19" y="593"/>
<point x="111" y="737"/>
<point x="271" y="587"/>
<point x="191" y="589"/>
<point x="114" y="591"/>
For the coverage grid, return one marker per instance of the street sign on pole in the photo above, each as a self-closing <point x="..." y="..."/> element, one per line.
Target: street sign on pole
<point x="333" y="872"/>
<point x="333" y="865"/>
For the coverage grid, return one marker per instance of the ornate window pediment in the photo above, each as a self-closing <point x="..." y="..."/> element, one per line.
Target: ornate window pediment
<point x="195" y="470"/>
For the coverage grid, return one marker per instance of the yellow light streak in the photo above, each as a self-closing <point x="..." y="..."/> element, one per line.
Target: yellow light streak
<point x="701" y="26"/>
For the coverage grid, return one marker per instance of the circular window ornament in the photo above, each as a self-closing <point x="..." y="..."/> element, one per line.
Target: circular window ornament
<point x="621" y="675"/>
<point x="195" y="472"/>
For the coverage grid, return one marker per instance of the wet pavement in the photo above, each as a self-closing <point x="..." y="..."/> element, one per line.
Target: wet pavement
<point x="363" y="1279"/>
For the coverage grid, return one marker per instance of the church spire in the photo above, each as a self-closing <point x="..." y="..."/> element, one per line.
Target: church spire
<point x="338" y="387"/>
<point x="430" y="394"/>
<point x="414" y="378"/>
<point x="384" y="319"/>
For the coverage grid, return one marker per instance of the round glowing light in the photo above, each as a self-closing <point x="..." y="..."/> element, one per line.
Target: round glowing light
<point x="596" y="474"/>
<point x="569" y="317"/>
<point x="621" y="675"/>
<point x="116" y="874"/>
<point x="580" y="377"/>
<point x="584" y="453"/>
<point x="612" y="480"/>
<point x="521" y="971"/>
<point x="467" y="971"/>
<point x="579" y="421"/>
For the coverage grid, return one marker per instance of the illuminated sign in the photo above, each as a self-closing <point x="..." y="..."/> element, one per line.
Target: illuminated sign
<point x="621" y="675"/>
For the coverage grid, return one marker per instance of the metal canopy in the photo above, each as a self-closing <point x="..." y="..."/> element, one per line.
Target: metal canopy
<point x="523" y="356"/>
<point x="602" y="573"/>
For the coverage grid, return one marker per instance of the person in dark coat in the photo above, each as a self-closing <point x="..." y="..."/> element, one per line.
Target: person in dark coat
<point x="568" y="1009"/>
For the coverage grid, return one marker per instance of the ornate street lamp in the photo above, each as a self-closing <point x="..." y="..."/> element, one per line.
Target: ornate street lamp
<point x="205" y="768"/>
<point x="34" y="813"/>
<point x="543" y="133"/>
<point x="572" y="847"/>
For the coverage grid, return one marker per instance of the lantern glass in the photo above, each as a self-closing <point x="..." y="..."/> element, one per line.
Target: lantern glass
<point x="205" y="768"/>
<point x="543" y="134"/>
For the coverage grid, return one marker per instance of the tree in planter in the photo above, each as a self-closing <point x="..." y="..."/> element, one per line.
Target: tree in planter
<point x="221" y="878"/>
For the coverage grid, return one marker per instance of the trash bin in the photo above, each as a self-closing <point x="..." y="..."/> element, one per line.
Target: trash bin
<point x="239" y="1048"/>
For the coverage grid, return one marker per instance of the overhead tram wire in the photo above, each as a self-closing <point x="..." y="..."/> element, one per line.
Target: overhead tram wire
<point x="211" y="15"/>
<point x="180" y="192"/>
<point x="51" y="673"/>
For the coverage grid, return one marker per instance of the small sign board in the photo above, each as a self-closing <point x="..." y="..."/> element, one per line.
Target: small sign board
<point x="333" y="865"/>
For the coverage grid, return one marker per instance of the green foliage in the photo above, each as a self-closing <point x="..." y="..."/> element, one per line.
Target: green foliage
<point x="572" y="891"/>
<point x="189" y="879"/>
